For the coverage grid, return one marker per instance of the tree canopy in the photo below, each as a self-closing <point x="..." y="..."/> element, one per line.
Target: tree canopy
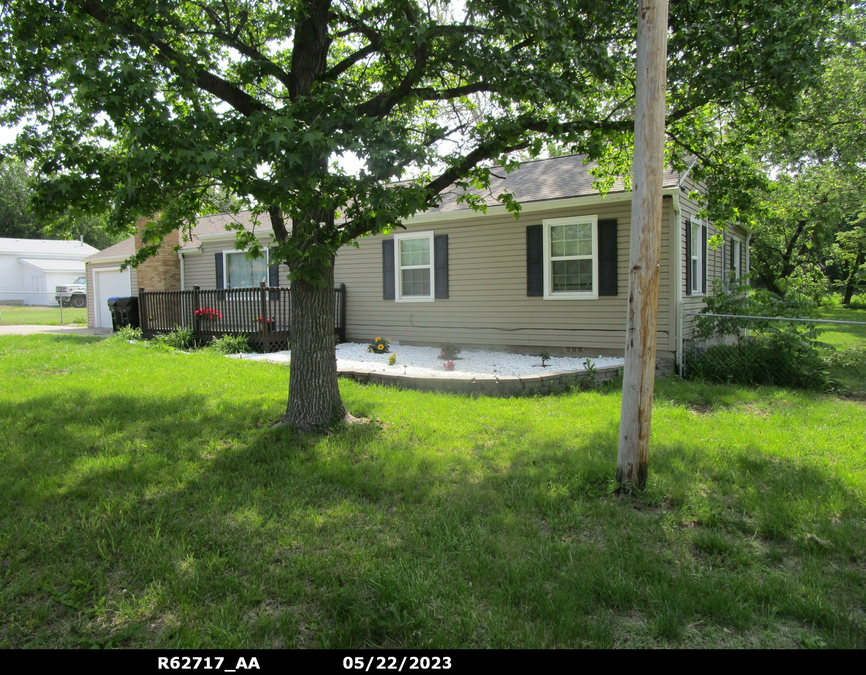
<point x="17" y="219"/>
<point x="148" y="105"/>
<point x="808" y="216"/>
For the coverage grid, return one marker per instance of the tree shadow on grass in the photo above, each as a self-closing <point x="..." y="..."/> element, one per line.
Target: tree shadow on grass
<point x="148" y="524"/>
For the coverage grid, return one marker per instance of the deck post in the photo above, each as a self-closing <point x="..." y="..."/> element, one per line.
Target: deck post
<point x="263" y="299"/>
<point x="142" y="313"/>
<point x="196" y="326"/>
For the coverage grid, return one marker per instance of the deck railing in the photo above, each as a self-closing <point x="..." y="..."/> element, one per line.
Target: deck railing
<point x="263" y="314"/>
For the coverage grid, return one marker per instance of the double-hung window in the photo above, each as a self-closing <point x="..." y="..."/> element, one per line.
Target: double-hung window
<point x="414" y="264"/>
<point x="571" y="258"/>
<point x="244" y="272"/>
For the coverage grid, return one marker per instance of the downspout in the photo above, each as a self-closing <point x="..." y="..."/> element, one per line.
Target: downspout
<point x="678" y="292"/>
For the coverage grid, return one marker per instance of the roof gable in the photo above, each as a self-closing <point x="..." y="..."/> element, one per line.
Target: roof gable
<point x="37" y="248"/>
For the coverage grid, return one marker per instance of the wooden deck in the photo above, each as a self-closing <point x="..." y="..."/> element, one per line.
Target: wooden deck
<point x="263" y="314"/>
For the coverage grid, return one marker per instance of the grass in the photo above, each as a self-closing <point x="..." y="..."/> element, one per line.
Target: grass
<point x="839" y="335"/>
<point x="145" y="501"/>
<point x="846" y="340"/>
<point x="12" y="315"/>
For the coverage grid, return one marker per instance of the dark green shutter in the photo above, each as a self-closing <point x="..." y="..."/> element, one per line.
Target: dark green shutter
<point x="274" y="276"/>
<point x="534" y="261"/>
<point x="440" y="273"/>
<point x="388" y="291"/>
<point x="607" y="257"/>
<point x="704" y="256"/>
<point x="218" y="266"/>
<point x="688" y="257"/>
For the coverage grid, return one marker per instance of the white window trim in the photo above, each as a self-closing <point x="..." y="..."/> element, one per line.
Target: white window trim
<point x="227" y="253"/>
<point x="570" y="295"/>
<point x="736" y="252"/>
<point x="700" y="277"/>
<point x="398" y="281"/>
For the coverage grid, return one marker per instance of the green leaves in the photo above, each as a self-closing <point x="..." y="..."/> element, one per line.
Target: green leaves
<point x="147" y="107"/>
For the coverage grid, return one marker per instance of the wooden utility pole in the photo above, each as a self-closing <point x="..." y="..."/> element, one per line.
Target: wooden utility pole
<point x="646" y="228"/>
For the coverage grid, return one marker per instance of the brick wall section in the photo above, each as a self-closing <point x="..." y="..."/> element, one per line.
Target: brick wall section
<point x="162" y="272"/>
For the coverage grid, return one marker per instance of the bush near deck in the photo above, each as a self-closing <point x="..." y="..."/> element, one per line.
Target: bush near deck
<point x="146" y="501"/>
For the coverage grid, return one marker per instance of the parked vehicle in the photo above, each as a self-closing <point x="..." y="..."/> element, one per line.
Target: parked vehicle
<point x="74" y="294"/>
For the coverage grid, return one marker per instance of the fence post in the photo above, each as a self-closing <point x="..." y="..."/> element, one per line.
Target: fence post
<point x="262" y="306"/>
<point x="142" y="312"/>
<point x="195" y="317"/>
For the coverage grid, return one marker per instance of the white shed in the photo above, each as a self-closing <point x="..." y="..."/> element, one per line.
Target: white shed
<point x="31" y="268"/>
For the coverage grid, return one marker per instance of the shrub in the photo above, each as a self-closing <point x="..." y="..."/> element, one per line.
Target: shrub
<point x="231" y="344"/>
<point x="448" y="351"/>
<point x="127" y="333"/>
<point x="778" y="353"/>
<point x="783" y="360"/>
<point x="179" y="338"/>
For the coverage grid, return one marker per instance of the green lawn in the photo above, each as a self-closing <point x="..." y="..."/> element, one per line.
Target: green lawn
<point x="847" y="340"/>
<point x="40" y="316"/>
<point x="147" y="502"/>
<point x="841" y="335"/>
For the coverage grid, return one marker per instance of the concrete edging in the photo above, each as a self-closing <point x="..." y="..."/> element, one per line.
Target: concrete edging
<point x="525" y="385"/>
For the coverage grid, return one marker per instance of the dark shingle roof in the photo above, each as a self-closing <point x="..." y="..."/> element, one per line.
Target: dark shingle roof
<point x="542" y="180"/>
<point x="124" y="248"/>
<point x="536" y="181"/>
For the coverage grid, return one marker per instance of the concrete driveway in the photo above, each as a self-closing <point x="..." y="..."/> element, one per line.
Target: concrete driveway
<point x="66" y="330"/>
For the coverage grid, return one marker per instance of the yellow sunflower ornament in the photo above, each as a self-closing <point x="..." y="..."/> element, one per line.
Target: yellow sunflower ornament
<point x="379" y="345"/>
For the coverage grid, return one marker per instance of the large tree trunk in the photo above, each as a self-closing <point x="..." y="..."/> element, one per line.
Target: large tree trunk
<point x="314" y="395"/>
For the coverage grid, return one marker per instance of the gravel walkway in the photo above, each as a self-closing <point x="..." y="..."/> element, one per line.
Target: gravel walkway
<point x="425" y="362"/>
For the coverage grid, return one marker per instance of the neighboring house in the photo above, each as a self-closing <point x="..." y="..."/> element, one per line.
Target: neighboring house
<point x="30" y="269"/>
<point x="555" y="279"/>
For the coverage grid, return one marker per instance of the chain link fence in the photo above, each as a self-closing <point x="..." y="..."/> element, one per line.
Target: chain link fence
<point x="801" y="352"/>
<point x="34" y="308"/>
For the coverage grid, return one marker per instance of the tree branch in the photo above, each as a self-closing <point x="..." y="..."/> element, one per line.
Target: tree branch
<point x="349" y="61"/>
<point x="174" y="61"/>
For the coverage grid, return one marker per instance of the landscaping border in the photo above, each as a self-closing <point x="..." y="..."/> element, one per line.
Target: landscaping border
<point x="524" y="385"/>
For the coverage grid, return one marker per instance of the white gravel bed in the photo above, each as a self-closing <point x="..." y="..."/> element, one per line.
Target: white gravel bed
<point x="425" y="362"/>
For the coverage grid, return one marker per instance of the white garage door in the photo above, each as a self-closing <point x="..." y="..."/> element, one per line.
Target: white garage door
<point x="109" y="284"/>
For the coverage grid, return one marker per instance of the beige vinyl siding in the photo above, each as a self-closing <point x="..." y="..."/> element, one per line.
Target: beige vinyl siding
<point x="133" y="285"/>
<point x="693" y="304"/>
<point x="487" y="304"/>
<point x="199" y="267"/>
